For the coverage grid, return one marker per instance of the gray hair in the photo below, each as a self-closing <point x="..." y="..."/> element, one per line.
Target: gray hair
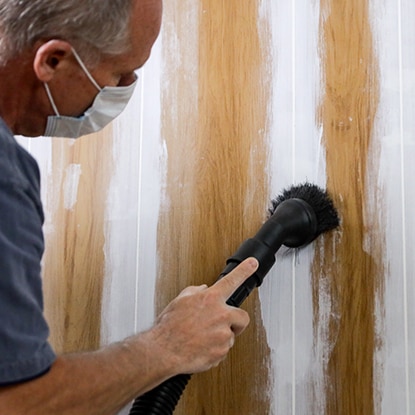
<point x="93" y="27"/>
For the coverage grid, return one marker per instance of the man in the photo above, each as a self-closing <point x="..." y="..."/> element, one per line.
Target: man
<point x="67" y="68"/>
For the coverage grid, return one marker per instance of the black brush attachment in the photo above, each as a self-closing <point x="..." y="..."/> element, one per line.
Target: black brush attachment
<point x="319" y="201"/>
<point x="298" y="216"/>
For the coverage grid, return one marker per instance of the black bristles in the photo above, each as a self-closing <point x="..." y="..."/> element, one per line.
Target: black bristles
<point x="317" y="198"/>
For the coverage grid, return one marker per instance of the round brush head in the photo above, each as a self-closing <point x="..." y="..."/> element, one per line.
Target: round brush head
<point x="319" y="201"/>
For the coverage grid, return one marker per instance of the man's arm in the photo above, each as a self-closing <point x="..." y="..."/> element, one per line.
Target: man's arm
<point x="193" y="334"/>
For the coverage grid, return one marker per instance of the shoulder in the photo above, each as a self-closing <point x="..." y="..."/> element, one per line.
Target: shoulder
<point x="17" y="166"/>
<point x="20" y="200"/>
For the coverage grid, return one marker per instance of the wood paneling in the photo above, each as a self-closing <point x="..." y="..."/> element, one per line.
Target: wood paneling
<point x="215" y="125"/>
<point x="74" y="262"/>
<point x="350" y="264"/>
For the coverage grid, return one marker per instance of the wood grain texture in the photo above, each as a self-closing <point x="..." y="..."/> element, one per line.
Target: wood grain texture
<point x="348" y="267"/>
<point x="74" y="260"/>
<point x="215" y="121"/>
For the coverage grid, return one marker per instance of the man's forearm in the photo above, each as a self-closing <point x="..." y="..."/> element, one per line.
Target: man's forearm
<point x="94" y="383"/>
<point x="193" y="333"/>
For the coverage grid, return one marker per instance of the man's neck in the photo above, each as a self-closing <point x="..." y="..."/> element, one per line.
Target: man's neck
<point x="17" y="91"/>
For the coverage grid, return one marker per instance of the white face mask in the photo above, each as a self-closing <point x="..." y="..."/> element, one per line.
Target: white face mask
<point x="108" y="104"/>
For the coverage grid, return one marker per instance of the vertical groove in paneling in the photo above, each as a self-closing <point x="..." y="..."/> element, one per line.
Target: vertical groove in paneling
<point x="348" y="270"/>
<point x="74" y="258"/>
<point x="215" y="121"/>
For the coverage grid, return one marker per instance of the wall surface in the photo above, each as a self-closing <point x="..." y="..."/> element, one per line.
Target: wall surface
<point x="238" y="101"/>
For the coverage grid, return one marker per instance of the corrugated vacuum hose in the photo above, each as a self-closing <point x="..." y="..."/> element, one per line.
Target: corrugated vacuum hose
<point x="298" y="216"/>
<point x="163" y="399"/>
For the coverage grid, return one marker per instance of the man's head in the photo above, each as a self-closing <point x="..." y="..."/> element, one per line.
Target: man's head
<point x="37" y="38"/>
<point x="91" y="26"/>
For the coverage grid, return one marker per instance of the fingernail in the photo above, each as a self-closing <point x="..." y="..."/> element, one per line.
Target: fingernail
<point x="253" y="262"/>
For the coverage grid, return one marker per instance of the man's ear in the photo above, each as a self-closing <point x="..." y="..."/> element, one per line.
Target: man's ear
<point x="50" y="57"/>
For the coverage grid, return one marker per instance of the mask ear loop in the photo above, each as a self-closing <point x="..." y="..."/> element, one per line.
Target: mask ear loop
<point x="87" y="73"/>
<point x="52" y="102"/>
<point x="82" y="65"/>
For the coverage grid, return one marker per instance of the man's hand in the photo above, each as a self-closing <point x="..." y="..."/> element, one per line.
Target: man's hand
<point x="197" y="329"/>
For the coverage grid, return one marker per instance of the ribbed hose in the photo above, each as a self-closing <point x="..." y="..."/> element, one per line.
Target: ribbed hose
<point x="161" y="400"/>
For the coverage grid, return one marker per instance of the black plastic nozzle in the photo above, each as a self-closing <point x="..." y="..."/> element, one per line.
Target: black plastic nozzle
<point x="298" y="215"/>
<point x="293" y="224"/>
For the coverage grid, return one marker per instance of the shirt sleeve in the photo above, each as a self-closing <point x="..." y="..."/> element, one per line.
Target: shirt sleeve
<point x="24" y="349"/>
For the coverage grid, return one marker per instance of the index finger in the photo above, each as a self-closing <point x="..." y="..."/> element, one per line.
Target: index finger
<point x="230" y="282"/>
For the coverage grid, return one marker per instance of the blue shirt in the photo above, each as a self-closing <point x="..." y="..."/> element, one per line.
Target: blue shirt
<point x="24" y="350"/>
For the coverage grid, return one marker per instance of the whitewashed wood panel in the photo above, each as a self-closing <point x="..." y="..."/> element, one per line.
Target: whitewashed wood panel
<point x="395" y="35"/>
<point x="133" y="206"/>
<point x="297" y="157"/>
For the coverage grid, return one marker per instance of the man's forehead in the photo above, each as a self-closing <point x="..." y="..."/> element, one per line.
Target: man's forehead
<point x="144" y="28"/>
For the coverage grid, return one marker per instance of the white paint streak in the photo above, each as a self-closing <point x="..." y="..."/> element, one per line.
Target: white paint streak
<point x="323" y="345"/>
<point x="293" y="155"/>
<point x="132" y="210"/>
<point x="403" y="207"/>
<point x="140" y="179"/>
<point x="394" y="363"/>
<point x="70" y="185"/>
<point x="286" y="299"/>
